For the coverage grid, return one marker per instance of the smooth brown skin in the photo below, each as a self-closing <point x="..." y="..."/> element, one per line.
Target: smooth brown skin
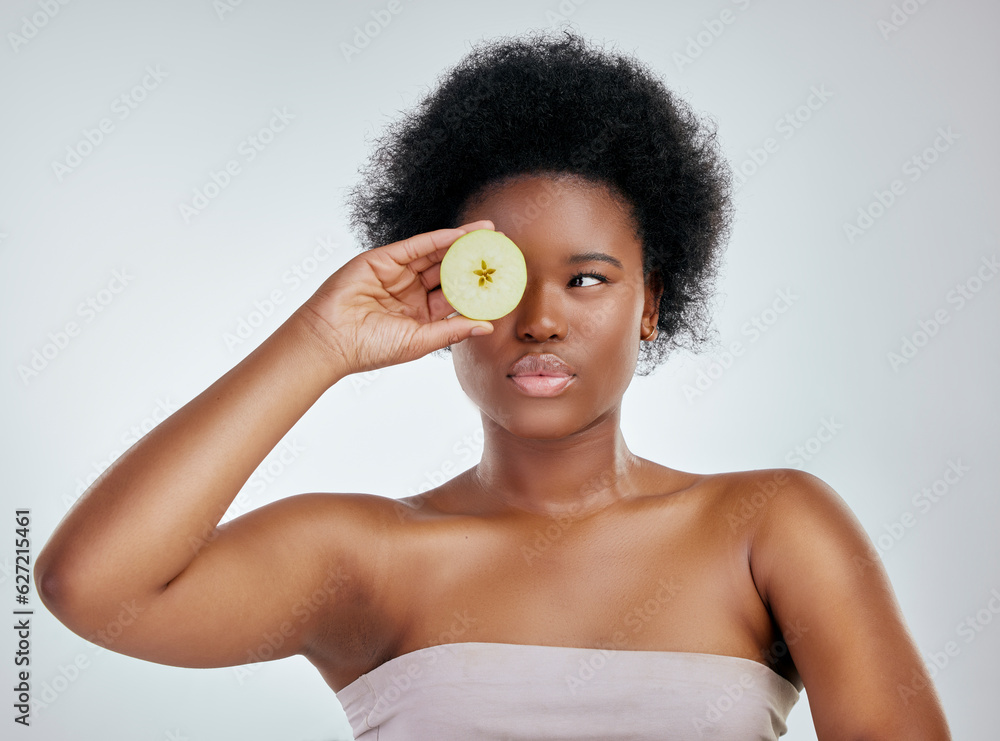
<point x="559" y="536"/>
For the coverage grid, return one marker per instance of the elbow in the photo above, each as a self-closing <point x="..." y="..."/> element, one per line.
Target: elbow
<point x="85" y="601"/>
<point x="59" y="587"/>
<point x="52" y="585"/>
<point x="61" y="593"/>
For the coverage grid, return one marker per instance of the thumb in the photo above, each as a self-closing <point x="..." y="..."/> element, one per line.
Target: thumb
<point x="453" y="329"/>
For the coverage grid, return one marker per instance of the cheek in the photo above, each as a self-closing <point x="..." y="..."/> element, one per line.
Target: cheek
<point x="612" y="330"/>
<point x="470" y="369"/>
<point x="606" y="324"/>
<point x="482" y="381"/>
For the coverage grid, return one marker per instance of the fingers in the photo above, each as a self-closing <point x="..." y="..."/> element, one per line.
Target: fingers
<point x="481" y="224"/>
<point x="450" y="331"/>
<point x="431" y="277"/>
<point x="438" y="306"/>
<point x="418" y="252"/>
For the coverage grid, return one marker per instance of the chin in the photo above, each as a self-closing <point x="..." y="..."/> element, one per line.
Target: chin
<point x="536" y="419"/>
<point x="543" y="427"/>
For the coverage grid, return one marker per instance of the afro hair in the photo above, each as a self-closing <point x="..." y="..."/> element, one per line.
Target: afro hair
<point x="541" y="104"/>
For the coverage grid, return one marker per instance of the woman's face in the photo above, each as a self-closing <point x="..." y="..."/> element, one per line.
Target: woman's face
<point x="566" y="230"/>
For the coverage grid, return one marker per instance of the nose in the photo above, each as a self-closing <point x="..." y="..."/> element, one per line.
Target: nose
<point x="539" y="315"/>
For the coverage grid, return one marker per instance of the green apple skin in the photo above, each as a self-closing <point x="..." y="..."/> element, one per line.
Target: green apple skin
<point x="483" y="275"/>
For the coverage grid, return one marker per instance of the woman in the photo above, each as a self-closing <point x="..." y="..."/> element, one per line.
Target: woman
<point x="562" y="587"/>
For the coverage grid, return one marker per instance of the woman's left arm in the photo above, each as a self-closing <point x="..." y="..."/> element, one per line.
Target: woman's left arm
<point x="820" y="575"/>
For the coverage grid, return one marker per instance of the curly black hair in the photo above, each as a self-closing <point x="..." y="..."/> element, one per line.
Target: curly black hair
<point x="540" y="104"/>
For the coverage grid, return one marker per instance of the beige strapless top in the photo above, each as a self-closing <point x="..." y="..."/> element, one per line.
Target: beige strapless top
<point x="472" y="691"/>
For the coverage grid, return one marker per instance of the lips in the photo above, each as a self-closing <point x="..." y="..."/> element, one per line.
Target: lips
<point x="542" y="385"/>
<point x="540" y="364"/>
<point x="542" y="374"/>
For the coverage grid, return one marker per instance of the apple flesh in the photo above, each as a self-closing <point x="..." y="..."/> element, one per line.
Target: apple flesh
<point x="483" y="275"/>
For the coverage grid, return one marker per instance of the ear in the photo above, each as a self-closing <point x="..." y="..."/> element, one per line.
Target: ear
<point x="651" y="306"/>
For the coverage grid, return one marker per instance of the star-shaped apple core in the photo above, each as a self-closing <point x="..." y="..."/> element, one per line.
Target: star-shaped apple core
<point x="485" y="274"/>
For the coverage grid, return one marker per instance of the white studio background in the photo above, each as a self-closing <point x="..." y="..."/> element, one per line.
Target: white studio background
<point x="859" y="288"/>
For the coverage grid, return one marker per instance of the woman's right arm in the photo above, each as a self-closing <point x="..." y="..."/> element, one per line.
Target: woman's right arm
<point x="140" y="563"/>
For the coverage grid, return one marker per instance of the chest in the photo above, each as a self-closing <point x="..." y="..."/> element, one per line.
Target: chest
<point x="662" y="578"/>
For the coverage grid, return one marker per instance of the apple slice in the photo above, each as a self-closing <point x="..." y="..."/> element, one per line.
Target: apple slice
<point x="483" y="275"/>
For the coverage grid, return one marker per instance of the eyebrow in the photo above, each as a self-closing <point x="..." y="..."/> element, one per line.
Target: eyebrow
<point x="589" y="256"/>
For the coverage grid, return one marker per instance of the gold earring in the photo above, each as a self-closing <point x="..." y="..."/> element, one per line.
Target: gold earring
<point x="652" y="333"/>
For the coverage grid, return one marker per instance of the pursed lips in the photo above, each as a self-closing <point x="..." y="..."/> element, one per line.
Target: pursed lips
<point x="540" y="364"/>
<point x="541" y="375"/>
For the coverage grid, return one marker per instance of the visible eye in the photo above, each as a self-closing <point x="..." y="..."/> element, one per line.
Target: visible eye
<point x="599" y="276"/>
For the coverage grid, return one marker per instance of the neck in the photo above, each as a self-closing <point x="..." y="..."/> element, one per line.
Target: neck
<point x="571" y="476"/>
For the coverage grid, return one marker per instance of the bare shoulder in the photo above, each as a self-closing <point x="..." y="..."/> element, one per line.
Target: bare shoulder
<point x="820" y="576"/>
<point x="352" y="523"/>
<point x="743" y="499"/>
<point x="785" y="512"/>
